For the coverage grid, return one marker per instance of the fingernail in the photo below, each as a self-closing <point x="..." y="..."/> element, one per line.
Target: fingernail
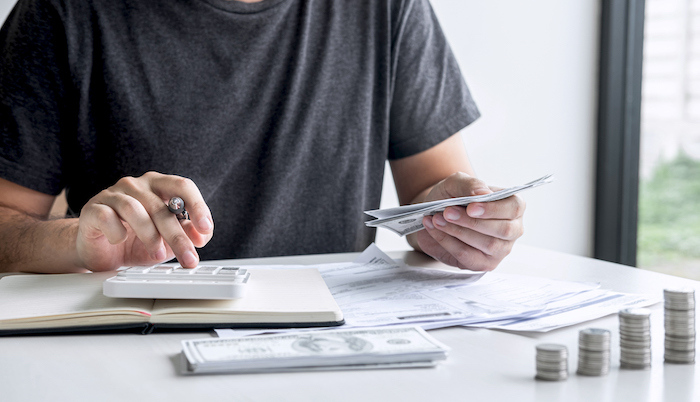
<point x="482" y="191"/>
<point x="452" y="214"/>
<point x="205" y="224"/>
<point x="160" y="254"/>
<point x="476" y="211"/>
<point x="440" y="221"/>
<point x="428" y="222"/>
<point x="189" y="259"/>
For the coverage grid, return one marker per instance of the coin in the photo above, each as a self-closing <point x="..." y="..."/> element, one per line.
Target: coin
<point x="551" y="362"/>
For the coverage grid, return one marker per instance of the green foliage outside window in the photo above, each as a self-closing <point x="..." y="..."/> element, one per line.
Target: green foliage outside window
<point x="669" y="214"/>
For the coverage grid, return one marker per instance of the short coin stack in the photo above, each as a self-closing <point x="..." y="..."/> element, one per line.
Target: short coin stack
<point x="679" y="325"/>
<point x="635" y="339"/>
<point x="593" y="352"/>
<point x="552" y="362"/>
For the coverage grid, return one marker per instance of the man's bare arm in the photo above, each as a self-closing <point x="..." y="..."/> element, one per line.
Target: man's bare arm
<point x="29" y="242"/>
<point x="126" y="224"/>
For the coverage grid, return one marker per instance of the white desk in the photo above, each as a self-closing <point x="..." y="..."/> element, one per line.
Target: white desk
<point x="483" y="365"/>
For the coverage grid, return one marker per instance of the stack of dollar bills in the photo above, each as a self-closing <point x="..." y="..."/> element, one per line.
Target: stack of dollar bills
<point x="409" y="218"/>
<point x="347" y="349"/>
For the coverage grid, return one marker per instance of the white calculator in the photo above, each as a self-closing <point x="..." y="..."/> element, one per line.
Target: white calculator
<point x="169" y="282"/>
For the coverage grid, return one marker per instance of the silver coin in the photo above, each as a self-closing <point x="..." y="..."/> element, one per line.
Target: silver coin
<point x="552" y="348"/>
<point x="635" y="358"/>
<point x="635" y="324"/>
<point x="679" y="324"/>
<point x="680" y="313"/>
<point x="594" y="348"/>
<point x="593" y="367"/>
<point x="679" y="307"/>
<point x="679" y="292"/>
<point x="591" y="353"/>
<point x="673" y="332"/>
<point x="635" y="351"/>
<point x="635" y="312"/>
<point x="552" y="377"/>
<point x="679" y="353"/>
<point x="594" y="333"/>
<point x="552" y="367"/>
<point x="635" y="344"/>
<point x="628" y="366"/>
<point x="635" y="335"/>
<point x="680" y="347"/>
<point x="690" y="314"/>
<point x="682" y="338"/>
<point x="679" y="360"/>
<point x="679" y="318"/>
<point x="593" y="373"/>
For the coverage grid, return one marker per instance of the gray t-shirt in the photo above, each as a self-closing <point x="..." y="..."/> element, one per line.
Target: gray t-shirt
<point x="283" y="112"/>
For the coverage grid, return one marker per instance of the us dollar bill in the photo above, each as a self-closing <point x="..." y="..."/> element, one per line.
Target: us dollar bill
<point x="408" y="219"/>
<point x="314" y="350"/>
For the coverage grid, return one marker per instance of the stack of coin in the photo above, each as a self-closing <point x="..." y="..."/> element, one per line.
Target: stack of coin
<point x="679" y="325"/>
<point x="593" y="352"/>
<point x="635" y="339"/>
<point x="552" y="362"/>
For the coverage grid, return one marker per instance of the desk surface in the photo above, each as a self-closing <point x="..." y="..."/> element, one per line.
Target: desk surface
<point x="483" y="365"/>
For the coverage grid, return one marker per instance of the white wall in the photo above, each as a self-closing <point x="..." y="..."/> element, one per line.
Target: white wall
<point x="5" y="7"/>
<point x="532" y="67"/>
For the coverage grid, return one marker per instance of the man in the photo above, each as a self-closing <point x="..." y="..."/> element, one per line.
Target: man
<point x="274" y="117"/>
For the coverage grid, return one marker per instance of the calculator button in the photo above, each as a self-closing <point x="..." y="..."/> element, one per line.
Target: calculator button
<point x="161" y="269"/>
<point x="136" y="270"/>
<point x="229" y="271"/>
<point x="206" y="270"/>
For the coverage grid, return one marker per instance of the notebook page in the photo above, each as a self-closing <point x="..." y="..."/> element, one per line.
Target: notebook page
<point x="34" y="298"/>
<point x="286" y="295"/>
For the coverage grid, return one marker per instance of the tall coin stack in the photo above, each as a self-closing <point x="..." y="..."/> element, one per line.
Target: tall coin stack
<point x="635" y="339"/>
<point x="679" y="325"/>
<point x="593" y="352"/>
<point x="552" y="362"/>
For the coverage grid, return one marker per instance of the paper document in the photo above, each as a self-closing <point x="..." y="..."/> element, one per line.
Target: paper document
<point x="375" y="291"/>
<point x="409" y="218"/>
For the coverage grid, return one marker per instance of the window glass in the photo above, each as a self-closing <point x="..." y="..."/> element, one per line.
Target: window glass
<point x="669" y="193"/>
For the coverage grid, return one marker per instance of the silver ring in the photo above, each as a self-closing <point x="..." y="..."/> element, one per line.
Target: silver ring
<point x="176" y="205"/>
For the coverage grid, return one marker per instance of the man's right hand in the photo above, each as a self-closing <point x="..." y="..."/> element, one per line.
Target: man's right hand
<point x="130" y="224"/>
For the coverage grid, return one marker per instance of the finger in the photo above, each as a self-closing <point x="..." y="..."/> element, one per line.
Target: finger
<point x="512" y="207"/>
<point x="166" y="224"/>
<point x="175" y="236"/>
<point x="101" y="220"/>
<point x="452" y="251"/>
<point x="198" y="239"/>
<point x="166" y="187"/>
<point x="489" y="245"/>
<point x="458" y="185"/>
<point x="504" y="229"/>
<point x="133" y="212"/>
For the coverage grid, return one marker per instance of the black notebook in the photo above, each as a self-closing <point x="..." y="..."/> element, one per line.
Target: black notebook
<point x="275" y="298"/>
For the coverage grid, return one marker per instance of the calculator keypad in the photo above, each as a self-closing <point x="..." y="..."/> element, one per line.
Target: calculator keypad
<point x="199" y="273"/>
<point x="175" y="282"/>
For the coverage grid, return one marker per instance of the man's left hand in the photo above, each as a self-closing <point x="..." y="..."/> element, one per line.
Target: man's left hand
<point x="475" y="237"/>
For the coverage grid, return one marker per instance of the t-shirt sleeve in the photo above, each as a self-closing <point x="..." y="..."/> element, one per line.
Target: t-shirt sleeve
<point x="430" y="99"/>
<point x="33" y="96"/>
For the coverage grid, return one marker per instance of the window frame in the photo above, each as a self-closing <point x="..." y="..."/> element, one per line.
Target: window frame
<point x="619" y="118"/>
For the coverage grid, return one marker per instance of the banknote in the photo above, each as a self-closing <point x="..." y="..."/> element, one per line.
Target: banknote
<point x="408" y="219"/>
<point x="329" y="349"/>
